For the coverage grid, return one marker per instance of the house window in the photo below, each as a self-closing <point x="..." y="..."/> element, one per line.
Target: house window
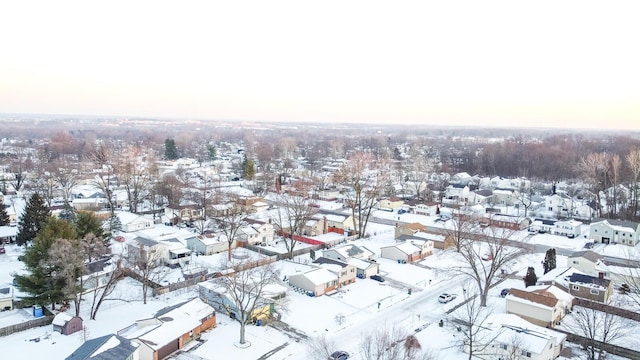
<point x="575" y="262"/>
<point x="594" y="292"/>
<point x="595" y="230"/>
<point x="575" y="287"/>
<point x="503" y="346"/>
<point x="525" y="353"/>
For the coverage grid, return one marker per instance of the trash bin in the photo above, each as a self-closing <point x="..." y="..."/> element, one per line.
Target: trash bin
<point x="259" y="322"/>
<point x="37" y="311"/>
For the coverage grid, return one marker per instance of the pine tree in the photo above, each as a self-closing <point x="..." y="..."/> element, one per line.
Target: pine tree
<point x="88" y="223"/>
<point x="248" y="169"/>
<point x="170" y="150"/>
<point x="531" y="278"/>
<point x="4" y="217"/>
<point x="549" y="262"/>
<point x="211" y="152"/>
<point x="41" y="283"/>
<point x="35" y="215"/>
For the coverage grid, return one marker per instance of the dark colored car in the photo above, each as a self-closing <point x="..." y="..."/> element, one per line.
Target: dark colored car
<point x="402" y="211"/>
<point x="504" y="292"/>
<point x="339" y="355"/>
<point x="377" y="278"/>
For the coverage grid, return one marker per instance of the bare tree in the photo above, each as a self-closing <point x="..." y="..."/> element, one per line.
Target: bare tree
<point x="147" y="265"/>
<point x="594" y="169"/>
<point x="361" y="185"/>
<point x="460" y="228"/>
<point x="471" y="321"/>
<point x="134" y="176"/>
<point x="485" y="258"/>
<point x="633" y="162"/>
<point x="66" y="180"/>
<point x="391" y="343"/>
<point x="598" y="328"/>
<point x="615" y="166"/>
<point x="100" y="294"/>
<point x="320" y="348"/>
<point x="290" y="218"/>
<point x="230" y="221"/>
<point x="105" y="158"/>
<point x="247" y="290"/>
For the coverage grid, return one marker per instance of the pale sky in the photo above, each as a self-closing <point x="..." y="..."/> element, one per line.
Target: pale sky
<point x="492" y="63"/>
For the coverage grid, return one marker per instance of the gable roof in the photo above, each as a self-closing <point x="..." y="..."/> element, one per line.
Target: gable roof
<point x="589" y="280"/>
<point x="586" y="254"/>
<point x="545" y="298"/>
<point x="108" y="347"/>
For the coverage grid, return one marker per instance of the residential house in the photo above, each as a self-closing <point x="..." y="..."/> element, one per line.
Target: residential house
<point x="408" y="229"/>
<point x="585" y="261"/>
<point x="511" y="335"/>
<point x="184" y="213"/>
<point x="569" y="228"/>
<point x="498" y="182"/>
<point x="457" y="192"/>
<point x="560" y="205"/>
<point x="66" y="324"/>
<point x="620" y="271"/>
<point x="132" y="222"/>
<point x="171" y="329"/>
<point x="407" y="251"/>
<point x="364" y="268"/>
<point x="314" y="227"/>
<point x="166" y="244"/>
<point x="615" y="232"/>
<point x="392" y="203"/>
<point x="209" y="244"/>
<point x="348" y="251"/>
<point x="8" y="234"/>
<point x="216" y="295"/>
<point x="558" y="277"/>
<point x="6" y="297"/>
<point x="314" y="282"/>
<point x="90" y="204"/>
<point x="538" y="306"/>
<point x="257" y="234"/>
<point x="429" y="208"/>
<point x="345" y="272"/>
<point x="108" y="347"/>
<point x="590" y="287"/>
<point x="543" y="225"/>
<point x="511" y="222"/>
<point x="504" y="197"/>
<point x="480" y="197"/>
<point x="328" y="195"/>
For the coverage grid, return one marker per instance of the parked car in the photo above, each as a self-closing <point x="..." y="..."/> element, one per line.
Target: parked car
<point x="377" y="278"/>
<point x="2" y="249"/>
<point x="504" y="292"/>
<point x="487" y="257"/>
<point x="339" y="355"/>
<point x="402" y="211"/>
<point x="445" y="298"/>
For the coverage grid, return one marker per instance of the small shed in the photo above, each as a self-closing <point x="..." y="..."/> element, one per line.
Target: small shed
<point x="66" y="324"/>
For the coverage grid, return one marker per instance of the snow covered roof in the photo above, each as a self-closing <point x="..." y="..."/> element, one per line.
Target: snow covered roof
<point x="61" y="319"/>
<point x="319" y="276"/>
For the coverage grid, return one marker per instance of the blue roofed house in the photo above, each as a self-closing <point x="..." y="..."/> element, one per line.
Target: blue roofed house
<point x="108" y="347"/>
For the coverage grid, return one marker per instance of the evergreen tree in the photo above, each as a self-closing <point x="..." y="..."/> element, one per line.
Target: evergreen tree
<point x="549" y="262"/>
<point x="531" y="278"/>
<point x="170" y="150"/>
<point x="211" y="152"/>
<point x="4" y="217"/>
<point x="88" y="223"/>
<point x="115" y="225"/>
<point x="41" y="282"/>
<point x="248" y="169"/>
<point x="35" y="215"/>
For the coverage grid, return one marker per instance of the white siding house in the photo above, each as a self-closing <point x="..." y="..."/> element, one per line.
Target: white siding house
<point x="615" y="232"/>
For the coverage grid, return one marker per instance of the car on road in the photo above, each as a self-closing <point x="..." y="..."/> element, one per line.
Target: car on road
<point x="339" y="355"/>
<point x="402" y="211"/>
<point x="504" y="292"/>
<point x="377" y="278"/>
<point x="445" y="298"/>
<point x="487" y="257"/>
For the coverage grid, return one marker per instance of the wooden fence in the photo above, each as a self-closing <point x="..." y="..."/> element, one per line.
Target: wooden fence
<point x="8" y="330"/>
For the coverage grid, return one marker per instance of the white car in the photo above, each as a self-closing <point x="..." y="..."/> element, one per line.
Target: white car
<point x="445" y="298"/>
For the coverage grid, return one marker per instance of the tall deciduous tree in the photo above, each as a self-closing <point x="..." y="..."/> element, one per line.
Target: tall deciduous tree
<point x="246" y="288"/>
<point x="471" y="320"/>
<point x="493" y="242"/>
<point x="292" y="214"/>
<point x="633" y="162"/>
<point x="598" y="327"/>
<point x="33" y="219"/>
<point x="229" y="221"/>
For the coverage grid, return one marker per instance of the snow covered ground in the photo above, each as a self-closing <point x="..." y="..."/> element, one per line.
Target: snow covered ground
<point x="343" y="318"/>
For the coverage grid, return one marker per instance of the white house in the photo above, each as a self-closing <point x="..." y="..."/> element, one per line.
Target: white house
<point x="585" y="261"/>
<point x="559" y="205"/>
<point x="615" y="232"/>
<point x="539" y="306"/>
<point x="348" y="251"/>
<point x="408" y="251"/>
<point x="513" y="335"/>
<point x="314" y="282"/>
<point x="132" y="222"/>
<point x="166" y="244"/>
<point x="569" y="228"/>
<point x="253" y="234"/>
<point x="427" y="208"/>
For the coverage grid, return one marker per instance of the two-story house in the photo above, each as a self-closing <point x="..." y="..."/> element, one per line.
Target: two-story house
<point x="615" y="232"/>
